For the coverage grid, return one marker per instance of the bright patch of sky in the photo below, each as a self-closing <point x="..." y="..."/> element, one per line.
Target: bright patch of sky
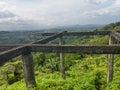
<point x="43" y="13"/>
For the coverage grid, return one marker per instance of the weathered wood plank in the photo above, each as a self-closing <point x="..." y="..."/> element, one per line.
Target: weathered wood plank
<point x="28" y="68"/>
<point x="7" y="55"/>
<point x="62" y="62"/>
<point x="4" y="47"/>
<point x="110" y="61"/>
<point x="49" y="38"/>
<point x="116" y="35"/>
<point x="83" y="49"/>
<point x="81" y="33"/>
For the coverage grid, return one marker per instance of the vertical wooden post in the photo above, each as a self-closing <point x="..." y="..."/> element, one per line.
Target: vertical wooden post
<point x="27" y="60"/>
<point x="110" y="62"/>
<point x="62" y="63"/>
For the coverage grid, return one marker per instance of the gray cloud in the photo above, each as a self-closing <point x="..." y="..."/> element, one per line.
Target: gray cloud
<point x="6" y="14"/>
<point x="96" y="1"/>
<point x="18" y="23"/>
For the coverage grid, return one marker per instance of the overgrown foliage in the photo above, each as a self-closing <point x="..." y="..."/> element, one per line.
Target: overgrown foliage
<point x="112" y="26"/>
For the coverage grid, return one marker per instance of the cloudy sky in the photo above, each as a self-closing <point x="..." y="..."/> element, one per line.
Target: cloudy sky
<point x="24" y="14"/>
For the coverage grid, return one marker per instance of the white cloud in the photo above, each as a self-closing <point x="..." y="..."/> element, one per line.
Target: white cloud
<point x="4" y="5"/>
<point x="112" y="10"/>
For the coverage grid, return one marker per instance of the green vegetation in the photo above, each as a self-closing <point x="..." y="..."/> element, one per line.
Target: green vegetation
<point x="19" y="37"/>
<point x="112" y="26"/>
<point x="87" y="73"/>
<point x="83" y="71"/>
<point x="80" y="76"/>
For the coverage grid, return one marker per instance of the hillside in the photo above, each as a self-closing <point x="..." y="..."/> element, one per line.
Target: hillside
<point x="112" y="26"/>
<point x="83" y="71"/>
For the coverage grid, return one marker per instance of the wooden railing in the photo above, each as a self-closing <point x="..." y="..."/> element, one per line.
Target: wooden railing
<point x="10" y="51"/>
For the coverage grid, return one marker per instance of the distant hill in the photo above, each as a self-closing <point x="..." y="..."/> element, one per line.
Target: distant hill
<point x="56" y="28"/>
<point x="89" y="27"/>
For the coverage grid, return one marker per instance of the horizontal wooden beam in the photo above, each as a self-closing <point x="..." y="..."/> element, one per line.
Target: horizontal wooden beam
<point x="9" y="54"/>
<point x="49" y="38"/>
<point x="81" y="33"/>
<point x="4" y="47"/>
<point x="82" y="49"/>
<point x="116" y="35"/>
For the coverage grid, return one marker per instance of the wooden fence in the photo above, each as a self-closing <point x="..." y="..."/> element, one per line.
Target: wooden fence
<point x="8" y="52"/>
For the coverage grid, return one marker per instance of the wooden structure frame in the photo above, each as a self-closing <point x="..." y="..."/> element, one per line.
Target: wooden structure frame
<point x="8" y="52"/>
